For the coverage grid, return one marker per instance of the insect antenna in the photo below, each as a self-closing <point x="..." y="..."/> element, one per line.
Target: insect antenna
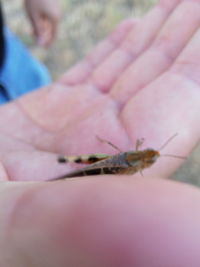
<point x="170" y="155"/>
<point x="109" y="143"/>
<point x="168" y="141"/>
<point x="173" y="156"/>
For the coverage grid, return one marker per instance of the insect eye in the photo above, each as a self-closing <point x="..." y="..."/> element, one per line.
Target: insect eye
<point x="151" y="156"/>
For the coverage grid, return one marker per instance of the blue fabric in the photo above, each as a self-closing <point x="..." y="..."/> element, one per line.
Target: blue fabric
<point x="21" y="73"/>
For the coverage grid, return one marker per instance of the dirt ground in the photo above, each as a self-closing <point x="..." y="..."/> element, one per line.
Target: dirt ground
<point x="83" y="23"/>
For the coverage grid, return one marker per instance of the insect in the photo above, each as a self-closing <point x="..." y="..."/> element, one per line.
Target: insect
<point x="128" y="162"/>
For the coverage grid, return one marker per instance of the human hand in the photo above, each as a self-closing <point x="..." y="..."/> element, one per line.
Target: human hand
<point x="150" y="91"/>
<point x="44" y="16"/>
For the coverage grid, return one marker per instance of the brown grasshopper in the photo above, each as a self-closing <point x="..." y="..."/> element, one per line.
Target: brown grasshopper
<point x="128" y="162"/>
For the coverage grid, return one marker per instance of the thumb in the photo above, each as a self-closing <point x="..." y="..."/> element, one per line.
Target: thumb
<point x="97" y="222"/>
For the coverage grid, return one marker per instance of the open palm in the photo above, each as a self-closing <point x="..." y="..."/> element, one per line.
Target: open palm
<point x="140" y="82"/>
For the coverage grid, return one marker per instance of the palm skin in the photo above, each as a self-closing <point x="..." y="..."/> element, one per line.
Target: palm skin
<point x="142" y="81"/>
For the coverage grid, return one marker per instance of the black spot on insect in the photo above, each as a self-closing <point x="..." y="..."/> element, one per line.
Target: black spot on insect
<point x="78" y="160"/>
<point x="61" y="159"/>
<point x="112" y="170"/>
<point x="93" y="171"/>
<point x="92" y="159"/>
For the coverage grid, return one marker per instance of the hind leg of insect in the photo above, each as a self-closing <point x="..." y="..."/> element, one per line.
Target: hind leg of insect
<point x="83" y="159"/>
<point x="109" y="143"/>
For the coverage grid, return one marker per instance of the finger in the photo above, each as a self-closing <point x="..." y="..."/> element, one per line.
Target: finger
<point x="169" y="105"/>
<point x="52" y="28"/>
<point x="187" y="64"/>
<point x="45" y="36"/>
<point x="100" y="222"/>
<point x="81" y="71"/>
<point x="171" y="39"/>
<point x="136" y="42"/>
<point x="36" y="23"/>
<point x="49" y="26"/>
<point x="44" y="31"/>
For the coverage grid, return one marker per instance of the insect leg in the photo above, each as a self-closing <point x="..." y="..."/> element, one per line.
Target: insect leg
<point x="139" y="143"/>
<point x="83" y="159"/>
<point x="141" y="173"/>
<point x="109" y="143"/>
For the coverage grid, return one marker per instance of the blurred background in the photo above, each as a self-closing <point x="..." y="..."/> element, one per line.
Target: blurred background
<point x="83" y="24"/>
